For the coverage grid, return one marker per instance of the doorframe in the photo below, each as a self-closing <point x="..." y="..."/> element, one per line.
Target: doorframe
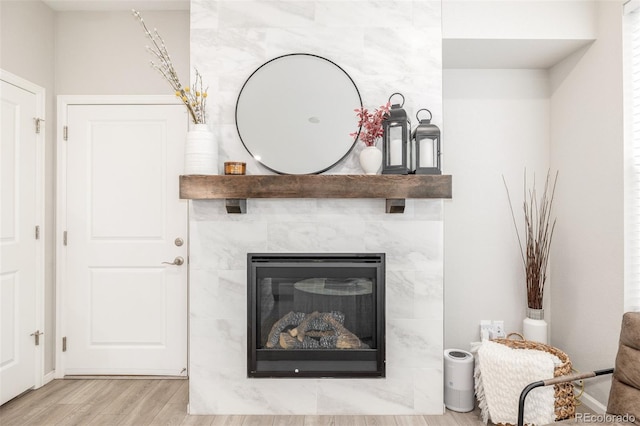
<point x="40" y="94"/>
<point x="63" y="102"/>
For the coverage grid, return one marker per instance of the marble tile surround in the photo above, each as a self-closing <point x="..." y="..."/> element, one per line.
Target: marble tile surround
<point x="414" y="305"/>
<point x="385" y="46"/>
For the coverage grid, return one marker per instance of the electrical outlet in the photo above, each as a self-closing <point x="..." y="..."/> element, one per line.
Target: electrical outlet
<point x="485" y="329"/>
<point x="492" y="329"/>
<point x="498" y="329"/>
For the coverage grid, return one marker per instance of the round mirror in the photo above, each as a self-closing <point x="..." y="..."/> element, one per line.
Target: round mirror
<point x="294" y="114"/>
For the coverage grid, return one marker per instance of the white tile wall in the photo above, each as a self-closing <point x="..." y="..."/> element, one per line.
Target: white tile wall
<point x="385" y="46"/>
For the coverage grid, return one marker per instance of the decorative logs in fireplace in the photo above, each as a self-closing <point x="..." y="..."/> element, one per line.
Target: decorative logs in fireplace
<point x="315" y="315"/>
<point x="317" y="330"/>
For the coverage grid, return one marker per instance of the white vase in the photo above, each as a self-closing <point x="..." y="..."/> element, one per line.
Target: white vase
<point x="371" y="160"/>
<point x="200" y="151"/>
<point x="534" y="327"/>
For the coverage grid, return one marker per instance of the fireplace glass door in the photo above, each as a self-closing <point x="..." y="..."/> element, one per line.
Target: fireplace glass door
<point x="315" y="315"/>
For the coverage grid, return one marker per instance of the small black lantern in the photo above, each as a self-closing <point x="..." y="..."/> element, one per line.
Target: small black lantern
<point x="426" y="137"/>
<point x="396" y="147"/>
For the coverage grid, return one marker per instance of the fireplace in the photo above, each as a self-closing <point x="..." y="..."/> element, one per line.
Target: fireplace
<point x="316" y="315"/>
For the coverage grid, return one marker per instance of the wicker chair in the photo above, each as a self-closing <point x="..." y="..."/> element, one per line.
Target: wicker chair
<point x="624" y="397"/>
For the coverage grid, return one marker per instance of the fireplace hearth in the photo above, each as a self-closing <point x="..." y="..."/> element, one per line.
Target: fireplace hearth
<point x="316" y="315"/>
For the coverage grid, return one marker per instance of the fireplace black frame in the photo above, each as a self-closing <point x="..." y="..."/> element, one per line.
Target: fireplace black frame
<point x="327" y="363"/>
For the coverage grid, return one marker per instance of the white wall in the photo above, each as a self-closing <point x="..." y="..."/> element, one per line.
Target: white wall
<point x="584" y="142"/>
<point x="82" y="53"/>
<point x="522" y="19"/>
<point x="103" y="53"/>
<point x="587" y="148"/>
<point x="496" y="123"/>
<point x="27" y="50"/>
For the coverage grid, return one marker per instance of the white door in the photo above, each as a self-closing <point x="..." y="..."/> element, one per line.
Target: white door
<point x="19" y="266"/>
<point x="124" y="310"/>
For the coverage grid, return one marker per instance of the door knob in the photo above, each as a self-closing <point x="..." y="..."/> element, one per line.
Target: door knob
<point x="177" y="261"/>
<point x="37" y="333"/>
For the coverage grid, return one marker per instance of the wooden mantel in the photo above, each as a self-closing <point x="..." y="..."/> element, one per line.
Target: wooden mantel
<point x="237" y="188"/>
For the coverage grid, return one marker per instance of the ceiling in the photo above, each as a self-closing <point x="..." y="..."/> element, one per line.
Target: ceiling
<point x="115" y="5"/>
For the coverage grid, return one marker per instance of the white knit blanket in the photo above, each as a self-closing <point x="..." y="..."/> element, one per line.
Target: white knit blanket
<point x="501" y="374"/>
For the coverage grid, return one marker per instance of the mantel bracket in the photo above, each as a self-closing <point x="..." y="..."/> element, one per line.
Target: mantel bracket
<point x="236" y="205"/>
<point x="395" y="205"/>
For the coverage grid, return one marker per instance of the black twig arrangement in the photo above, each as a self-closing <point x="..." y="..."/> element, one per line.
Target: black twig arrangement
<point x="539" y="227"/>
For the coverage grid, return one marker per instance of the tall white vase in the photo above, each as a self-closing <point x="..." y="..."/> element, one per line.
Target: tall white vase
<point x="534" y="327"/>
<point x="371" y="160"/>
<point x="200" y="151"/>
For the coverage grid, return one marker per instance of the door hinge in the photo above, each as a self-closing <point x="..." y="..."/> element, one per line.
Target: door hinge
<point x="37" y="122"/>
<point x="65" y="133"/>
<point x="64" y="344"/>
<point x="37" y="232"/>
<point x="64" y="238"/>
<point x="37" y="335"/>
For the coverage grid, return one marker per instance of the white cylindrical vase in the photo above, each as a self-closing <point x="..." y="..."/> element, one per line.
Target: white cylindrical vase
<point x="200" y="151"/>
<point x="371" y="160"/>
<point x="534" y="327"/>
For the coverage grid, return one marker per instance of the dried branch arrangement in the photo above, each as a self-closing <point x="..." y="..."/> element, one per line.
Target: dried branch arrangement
<point x="195" y="98"/>
<point x="539" y="229"/>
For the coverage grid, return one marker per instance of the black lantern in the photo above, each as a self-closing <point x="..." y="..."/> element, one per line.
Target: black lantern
<point x="396" y="148"/>
<point x="426" y="137"/>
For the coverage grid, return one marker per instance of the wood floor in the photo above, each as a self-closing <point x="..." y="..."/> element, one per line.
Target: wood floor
<point x="163" y="402"/>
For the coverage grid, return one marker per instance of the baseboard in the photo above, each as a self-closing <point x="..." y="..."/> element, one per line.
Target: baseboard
<point x="593" y="404"/>
<point x="123" y="377"/>
<point x="48" y="377"/>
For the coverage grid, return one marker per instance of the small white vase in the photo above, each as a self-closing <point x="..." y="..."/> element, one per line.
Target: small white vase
<point x="371" y="160"/>
<point x="534" y="327"/>
<point x="200" y="151"/>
